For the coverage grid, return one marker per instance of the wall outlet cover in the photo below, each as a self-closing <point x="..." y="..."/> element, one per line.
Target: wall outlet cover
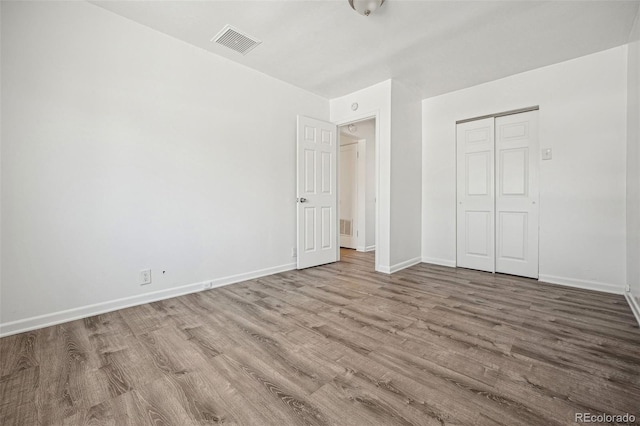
<point x="145" y="277"/>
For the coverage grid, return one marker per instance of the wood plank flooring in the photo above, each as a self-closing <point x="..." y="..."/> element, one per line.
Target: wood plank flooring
<point x="335" y="345"/>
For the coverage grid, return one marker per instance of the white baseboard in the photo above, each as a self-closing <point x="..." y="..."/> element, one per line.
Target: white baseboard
<point x="633" y="304"/>
<point x="361" y="249"/>
<point x="370" y="248"/>
<point x="383" y="268"/>
<point x="399" y="266"/>
<point x="441" y="262"/>
<point x="406" y="264"/>
<point x="41" y="321"/>
<point x="583" y="284"/>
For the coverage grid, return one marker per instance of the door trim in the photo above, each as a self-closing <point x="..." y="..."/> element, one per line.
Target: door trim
<point x="500" y="114"/>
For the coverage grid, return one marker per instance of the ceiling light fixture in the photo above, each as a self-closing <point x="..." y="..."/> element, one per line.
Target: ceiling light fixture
<point x="365" y="7"/>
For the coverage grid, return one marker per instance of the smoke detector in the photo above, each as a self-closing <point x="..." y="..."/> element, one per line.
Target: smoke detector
<point x="235" y="39"/>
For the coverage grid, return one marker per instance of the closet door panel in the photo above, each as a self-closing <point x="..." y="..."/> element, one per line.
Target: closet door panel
<point x="517" y="170"/>
<point x="475" y="146"/>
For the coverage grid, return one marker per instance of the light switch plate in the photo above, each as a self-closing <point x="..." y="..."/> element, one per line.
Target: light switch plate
<point x="546" y="154"/>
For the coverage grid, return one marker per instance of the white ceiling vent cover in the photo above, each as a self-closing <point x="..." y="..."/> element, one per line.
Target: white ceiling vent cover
<point x="235" y="39"/>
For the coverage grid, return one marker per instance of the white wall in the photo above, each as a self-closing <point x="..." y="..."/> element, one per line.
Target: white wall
<point x="633" y="164"/>
<point x="124" y="149"/>
<point x="582" y="189"/>
<point x="406" y="170"/>
<point x="374" y="101"/>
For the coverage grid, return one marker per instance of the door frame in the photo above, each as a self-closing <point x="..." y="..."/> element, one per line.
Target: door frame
<point x="361" y="117"/>
<point x="500" y="114"/>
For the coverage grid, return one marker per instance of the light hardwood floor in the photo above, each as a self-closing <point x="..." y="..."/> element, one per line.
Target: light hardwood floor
<point x="337" y="344"/>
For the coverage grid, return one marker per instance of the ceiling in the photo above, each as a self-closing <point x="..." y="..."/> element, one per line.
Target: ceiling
<point x="436" y="46"/>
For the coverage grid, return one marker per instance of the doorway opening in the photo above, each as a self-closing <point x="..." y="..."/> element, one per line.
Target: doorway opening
<point x="357" y="186"/>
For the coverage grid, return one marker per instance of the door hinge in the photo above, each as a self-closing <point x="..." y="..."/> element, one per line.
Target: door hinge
<point x="357" y="154"/>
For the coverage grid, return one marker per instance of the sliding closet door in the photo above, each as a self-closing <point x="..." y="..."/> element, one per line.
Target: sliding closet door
<point x="517" y="170"/>
<point x="475" y="195"/>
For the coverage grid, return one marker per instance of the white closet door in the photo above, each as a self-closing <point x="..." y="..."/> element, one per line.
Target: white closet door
<point x="517" y="170"/>
<point x="475" y="195"/>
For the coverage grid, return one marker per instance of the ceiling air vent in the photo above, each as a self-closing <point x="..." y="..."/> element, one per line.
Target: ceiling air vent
<point x="235" y="39"/>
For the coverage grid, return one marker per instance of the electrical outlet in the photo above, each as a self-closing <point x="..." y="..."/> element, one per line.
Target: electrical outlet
<point x="294" y="252"/>
<point x="145" y="277"/>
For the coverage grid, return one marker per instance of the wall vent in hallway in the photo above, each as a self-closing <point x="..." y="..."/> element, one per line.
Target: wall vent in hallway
<point x="345" y="227"/>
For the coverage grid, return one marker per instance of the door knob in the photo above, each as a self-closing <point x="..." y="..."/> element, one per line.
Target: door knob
<point x="302" y="200"/>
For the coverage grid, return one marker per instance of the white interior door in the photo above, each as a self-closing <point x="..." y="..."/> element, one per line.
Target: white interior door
<point x="475" y="195"/>
<point x="517" y="170"/>
<point x="316" y="192"/>
<point x="348" y="195"/>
